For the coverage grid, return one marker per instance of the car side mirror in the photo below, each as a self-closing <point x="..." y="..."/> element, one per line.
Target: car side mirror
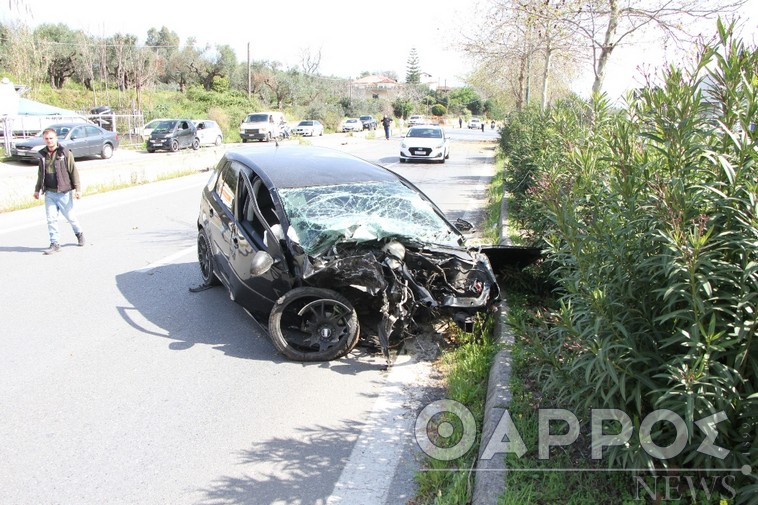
<point x="262" y="263"/>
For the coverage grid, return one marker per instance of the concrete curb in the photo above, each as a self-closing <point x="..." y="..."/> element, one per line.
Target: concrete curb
<point x="489" y="477"/>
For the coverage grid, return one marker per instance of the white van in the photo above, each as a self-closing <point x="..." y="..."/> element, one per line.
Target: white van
<point x="262" y="126"/>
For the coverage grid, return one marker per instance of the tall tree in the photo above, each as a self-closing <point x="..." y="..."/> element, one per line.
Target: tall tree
<point x="165" y="44"/>
<point x="60" y="52"/>
<point x="413" y="70"/>
<point x="519" y="44"/>
<point x="606" y="24"/>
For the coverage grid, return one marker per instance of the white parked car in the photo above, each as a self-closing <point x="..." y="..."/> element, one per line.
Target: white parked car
<point x="209" y="132"/>
<point x="309" y="128"/>
<point x="475" y="123"/>
<point x="426" y="142"/>
<point x="352" y="124"/>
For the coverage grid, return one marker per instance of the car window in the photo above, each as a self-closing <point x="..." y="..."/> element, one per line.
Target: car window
<point x="256" y="118"/>
<point x="226" y="186"/>
<point x="164" y="127"/>
<point x="92" y="131"/>
<point x="78" y="132"/>
<point x="62" y="131"/>
<point x="257" y="210"/>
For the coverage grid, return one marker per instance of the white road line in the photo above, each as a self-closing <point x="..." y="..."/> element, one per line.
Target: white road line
<point x="168" y="259"/>
<point x="373" y="462"/>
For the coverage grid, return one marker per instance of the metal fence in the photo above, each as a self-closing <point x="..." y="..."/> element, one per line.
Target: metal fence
<point x="20" y="126"/>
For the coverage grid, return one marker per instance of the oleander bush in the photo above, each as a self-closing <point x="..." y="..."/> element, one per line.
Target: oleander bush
<point x="648" y="215"/>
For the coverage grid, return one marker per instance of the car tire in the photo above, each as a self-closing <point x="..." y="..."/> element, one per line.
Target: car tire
<point x="218" y="141"/>
<point x="107" y="151"/>
<point x="244" y="141"/>
<point x="196" y="144"/>
<point x="205" y="259"/>
<point x="174" y="145"/>
<point x="150" y="150"/>
<point x="313" y="324"/>
<point x="402" y="160"/>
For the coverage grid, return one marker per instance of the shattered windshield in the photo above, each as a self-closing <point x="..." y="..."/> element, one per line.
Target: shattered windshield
<point x="325" y="215"/>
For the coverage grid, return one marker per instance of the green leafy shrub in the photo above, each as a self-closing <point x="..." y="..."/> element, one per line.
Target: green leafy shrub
<point x="650" y="221"/>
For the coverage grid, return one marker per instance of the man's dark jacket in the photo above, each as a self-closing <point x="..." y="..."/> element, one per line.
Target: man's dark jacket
<point x="66" y="174"/>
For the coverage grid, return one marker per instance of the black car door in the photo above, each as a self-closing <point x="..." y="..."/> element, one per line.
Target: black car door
<point x="220" y="218"/>
<point x="257" y="229"/>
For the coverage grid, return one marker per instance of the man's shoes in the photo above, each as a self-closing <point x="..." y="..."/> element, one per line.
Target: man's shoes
<point x="54" y="248"/>
<point x="80" y="238"/>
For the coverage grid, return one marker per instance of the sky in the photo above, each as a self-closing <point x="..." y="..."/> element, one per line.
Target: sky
<point x="352" y="36"/>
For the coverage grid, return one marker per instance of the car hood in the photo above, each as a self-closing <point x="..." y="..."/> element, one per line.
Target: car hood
<point x="34" y="142"/>
<point x="423" y="141"/>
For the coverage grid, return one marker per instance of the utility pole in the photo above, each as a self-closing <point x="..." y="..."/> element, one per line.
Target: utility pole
<point x="249" y="73"/>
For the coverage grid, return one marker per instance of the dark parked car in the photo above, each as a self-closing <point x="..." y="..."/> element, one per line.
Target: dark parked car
<point x="82" y="140"/>
<point x="369" y="123"/>
<point x="172" y="135"/>
<point x="323" y="245"/>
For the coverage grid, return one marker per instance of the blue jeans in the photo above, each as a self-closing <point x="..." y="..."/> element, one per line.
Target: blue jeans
<point x="63" y="203"/>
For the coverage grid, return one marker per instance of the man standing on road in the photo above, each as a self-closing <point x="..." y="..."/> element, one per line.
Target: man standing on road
<point x="57" y="178"/>
<point x="386" y="121"/>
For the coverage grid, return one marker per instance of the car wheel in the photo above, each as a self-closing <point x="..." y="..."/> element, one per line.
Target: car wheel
<point x="205" y="259"/>
<point x="244" y="141"/>
<point x="107" y="151"/>
<point x="196" y="144"/>
<point x="218" y="140"/>
<point x="402" y="160"/>
<point x="313" y="324"/>
<point x="150" y="150"/>
<point x="174" y="145"/>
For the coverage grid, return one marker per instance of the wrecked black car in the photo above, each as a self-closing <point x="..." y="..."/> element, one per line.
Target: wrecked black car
<point x="322" y="246"/>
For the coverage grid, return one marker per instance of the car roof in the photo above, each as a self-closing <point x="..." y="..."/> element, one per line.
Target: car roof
<point x="295" y="166"/>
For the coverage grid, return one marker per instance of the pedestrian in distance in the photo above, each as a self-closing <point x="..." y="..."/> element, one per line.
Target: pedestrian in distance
<point x="460" y="122"/>
<point x="386" y="121"/>
<point x="58" y="180"/>
<point x="482" y="125"/>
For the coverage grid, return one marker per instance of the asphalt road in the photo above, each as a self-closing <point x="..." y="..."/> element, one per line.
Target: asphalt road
<point x="119" y="386"/>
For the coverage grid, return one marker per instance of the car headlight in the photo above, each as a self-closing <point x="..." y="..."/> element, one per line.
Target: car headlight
<point x="440" y="145"/>
<point x="403" y="145"/>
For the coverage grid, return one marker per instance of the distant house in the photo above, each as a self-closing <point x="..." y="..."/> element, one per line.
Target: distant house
<point x="376" y="86"/>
